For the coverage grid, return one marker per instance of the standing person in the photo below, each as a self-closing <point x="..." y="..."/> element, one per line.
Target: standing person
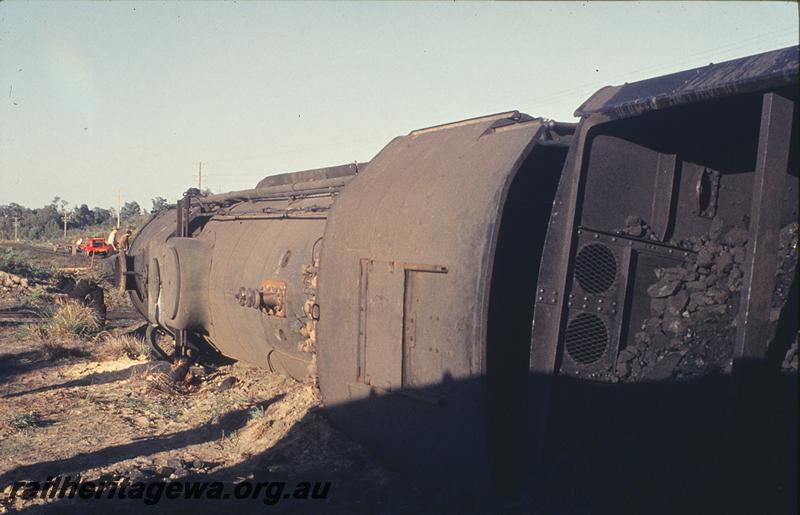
<point x="123" y="241"/>
<point x="112" y="239"/>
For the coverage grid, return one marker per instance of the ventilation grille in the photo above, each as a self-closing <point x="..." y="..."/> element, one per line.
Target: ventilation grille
<point x="595" y="268"/>
<point x="586" y="339"/>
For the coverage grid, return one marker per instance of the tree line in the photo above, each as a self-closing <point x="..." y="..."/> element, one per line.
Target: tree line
<point x="47" y="222"/>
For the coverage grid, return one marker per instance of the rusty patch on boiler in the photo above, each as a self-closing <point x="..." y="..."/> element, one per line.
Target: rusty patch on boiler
<point x="273" y="297"/>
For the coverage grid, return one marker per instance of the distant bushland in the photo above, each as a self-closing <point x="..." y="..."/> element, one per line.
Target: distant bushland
<point x="47" y="223"/>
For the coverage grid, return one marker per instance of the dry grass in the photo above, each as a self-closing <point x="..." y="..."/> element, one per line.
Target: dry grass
<point x="74" y="319"/>
<point x="71" y="323"/>
<point x="113" y="347"/>
<point x="115" y="298"/>
<point x="155" y="379"/>
<point x="22" y="421"/>
<point x="70" y="320"/>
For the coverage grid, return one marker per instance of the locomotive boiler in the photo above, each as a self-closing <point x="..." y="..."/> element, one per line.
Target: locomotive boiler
<point x="437" y="293"/>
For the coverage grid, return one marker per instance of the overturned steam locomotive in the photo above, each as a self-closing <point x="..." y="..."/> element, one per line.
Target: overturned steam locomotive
<point x="449" y="295"/>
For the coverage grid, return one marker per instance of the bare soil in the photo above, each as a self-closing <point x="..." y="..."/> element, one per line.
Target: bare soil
<point x="102" y="419"/>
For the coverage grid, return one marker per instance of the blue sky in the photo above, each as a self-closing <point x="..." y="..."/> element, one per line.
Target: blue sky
<point x="96" y="97"/>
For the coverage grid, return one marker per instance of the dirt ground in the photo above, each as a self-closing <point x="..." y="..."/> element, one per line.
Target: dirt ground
<point x="101" y="419"/>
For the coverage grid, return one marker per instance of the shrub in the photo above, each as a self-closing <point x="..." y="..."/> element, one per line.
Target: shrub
<point x="17" y="264"/>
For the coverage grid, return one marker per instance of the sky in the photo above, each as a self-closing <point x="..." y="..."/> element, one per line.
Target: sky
<point x="98" y="98"/>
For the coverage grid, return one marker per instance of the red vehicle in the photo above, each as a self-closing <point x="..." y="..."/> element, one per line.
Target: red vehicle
<point x="95" y="246"/>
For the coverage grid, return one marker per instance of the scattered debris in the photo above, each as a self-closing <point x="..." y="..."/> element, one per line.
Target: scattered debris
<point x="86" y="291"/>
<point x="638" y="228"/>
<point x="12" y="282"/>
<point x="226" y="384"/>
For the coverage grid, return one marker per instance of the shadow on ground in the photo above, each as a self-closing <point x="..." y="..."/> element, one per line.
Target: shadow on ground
<point x="715" y="445"/>
<point x="95" y="378"/>
<point x="228" y="423"/>
<point x="12" y="365"/>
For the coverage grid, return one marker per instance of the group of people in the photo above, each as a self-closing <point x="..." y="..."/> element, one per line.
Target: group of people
<point x="121" y="243"/>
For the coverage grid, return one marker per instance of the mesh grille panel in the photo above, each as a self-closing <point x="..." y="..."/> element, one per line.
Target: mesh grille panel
<point x="595" y="268"/>
<point x="586" y="339"/>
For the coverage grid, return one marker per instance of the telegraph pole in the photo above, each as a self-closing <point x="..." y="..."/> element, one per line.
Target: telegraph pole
<point x="200" y="176"/>
<point x="119" y="205"/>
<point x="65" y="216"/>
<point x="16" y="228"/>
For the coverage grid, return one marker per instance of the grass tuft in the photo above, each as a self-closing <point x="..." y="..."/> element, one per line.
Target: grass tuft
<point x="58" y="334"/>
<point x="256" y="412"/>
<point x="116" y="346"/>
<point x="23" y="421"/>
<point x="74" y="319"/>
